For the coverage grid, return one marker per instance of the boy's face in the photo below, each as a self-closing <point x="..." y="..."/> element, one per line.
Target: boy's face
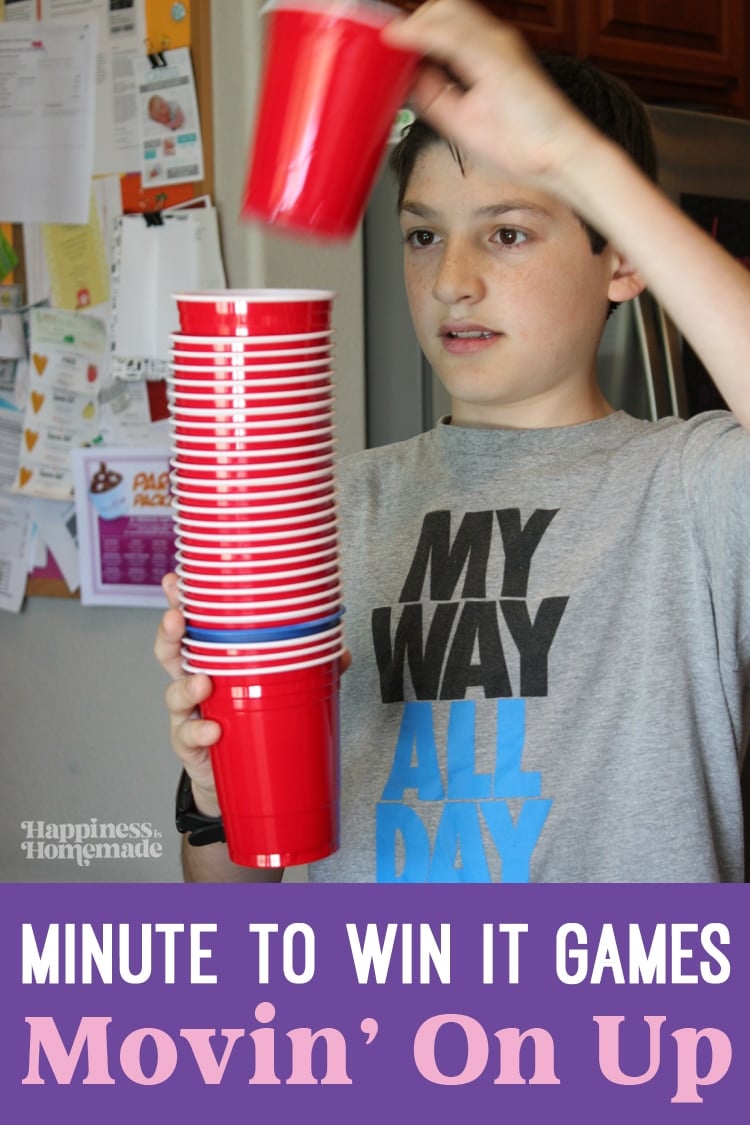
<point x="507" y="299"/>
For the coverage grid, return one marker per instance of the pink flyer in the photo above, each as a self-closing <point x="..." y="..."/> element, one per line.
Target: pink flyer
<point x="125" y="528"/>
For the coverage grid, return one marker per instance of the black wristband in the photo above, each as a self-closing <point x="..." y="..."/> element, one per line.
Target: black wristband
<point x="203" y="829"/>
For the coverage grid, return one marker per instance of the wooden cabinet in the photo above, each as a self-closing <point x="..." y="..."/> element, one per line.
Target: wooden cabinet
<point x="684" y="52"/>
<point x="671" y="50"/>
<point x="549" y="25"/>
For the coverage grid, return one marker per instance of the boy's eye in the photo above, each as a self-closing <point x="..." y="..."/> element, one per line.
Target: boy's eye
<point x="419" y="238"/>
<point x="510" y="236"/>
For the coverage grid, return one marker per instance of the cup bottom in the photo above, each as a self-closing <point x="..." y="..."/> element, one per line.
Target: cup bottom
<point x="276" y="765"/>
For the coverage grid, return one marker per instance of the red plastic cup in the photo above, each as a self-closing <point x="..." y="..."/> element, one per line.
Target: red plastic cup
<point x="265" y="616"/>
<point x="251" y="588"/>
<point x="259" y="599"/>
<point x="306" y="563"/>
<point x="283" y="646"/>
<point x="276" y="764"/>
<point x="262" y="490"/>
<point x="226" y="379"/>
<point x="231" y="666"/>
<point x="244" y="353"/>
<point x="297" y="505"/>
<point x="232" y="488"/>
<point x="246" y="446"/>
<point x="198" y="477"/>
<point x="271" y="427"/>
<point x="247" y="578"/>
<point x="311" y="365"/>
<point x="218" y="345"/>
<point x="183" y="402"/>
<point x="207" y="457"/>
<point x="328" y="99"/>
<point x="241" y="411"/>
<point x="300" y="553"/>
<point x="290" y="538"/>
<point x="251" y="312"/>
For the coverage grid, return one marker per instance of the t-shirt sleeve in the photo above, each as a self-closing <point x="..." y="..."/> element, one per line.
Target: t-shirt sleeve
<point x="716" y="476"/>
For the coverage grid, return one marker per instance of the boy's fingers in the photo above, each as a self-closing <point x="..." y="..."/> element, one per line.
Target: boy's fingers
<point x="168" y="643"/>
<point x="184" y="695"/>
<point x="169" y="586"/>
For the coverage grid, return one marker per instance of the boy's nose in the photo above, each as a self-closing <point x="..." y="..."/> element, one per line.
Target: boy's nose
<point x="459" y="276"/>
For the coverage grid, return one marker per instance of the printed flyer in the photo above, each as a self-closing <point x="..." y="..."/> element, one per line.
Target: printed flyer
<point x="172" y="149"/>
<point x="125" y="528"/>
<point x="372" y="1004"/>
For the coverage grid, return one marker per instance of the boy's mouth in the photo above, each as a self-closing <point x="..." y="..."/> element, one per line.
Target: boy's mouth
<point x="470" y="335"/>
<point x="462" y="339"/>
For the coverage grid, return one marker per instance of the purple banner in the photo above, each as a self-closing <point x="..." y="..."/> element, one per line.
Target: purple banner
<point x="372" y="1004"/>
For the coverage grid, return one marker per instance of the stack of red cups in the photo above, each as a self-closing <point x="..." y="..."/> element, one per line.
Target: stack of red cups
<point x="252" y="417"/>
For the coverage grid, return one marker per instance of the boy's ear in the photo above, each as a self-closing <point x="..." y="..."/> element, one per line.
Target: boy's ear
<point x="625" y="282"/>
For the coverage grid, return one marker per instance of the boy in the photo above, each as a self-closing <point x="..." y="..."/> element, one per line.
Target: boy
<point x="548" y="602"/>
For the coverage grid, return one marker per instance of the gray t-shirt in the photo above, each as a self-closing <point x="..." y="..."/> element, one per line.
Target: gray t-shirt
<point x="550" y="633"/>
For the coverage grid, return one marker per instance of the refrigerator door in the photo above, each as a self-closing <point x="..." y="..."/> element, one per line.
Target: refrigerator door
<point x="404" y="397"/>
<point x="704" y="166"/>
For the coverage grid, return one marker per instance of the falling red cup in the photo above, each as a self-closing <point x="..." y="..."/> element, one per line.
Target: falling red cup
<point x="329" y="94"/>
<point x="276" y="764"/>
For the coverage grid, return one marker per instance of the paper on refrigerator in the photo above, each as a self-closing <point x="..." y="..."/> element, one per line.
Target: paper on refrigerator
<point x="126" y="534"/>
<point x="77" y="262"/>
<point x="15" y="534"/>
<point x="171" y="145"/>
<point x="150" y="264"/>
<point x="47" y="100"/>
<point x="69" y="359"/>
<point x="120" y="27"/>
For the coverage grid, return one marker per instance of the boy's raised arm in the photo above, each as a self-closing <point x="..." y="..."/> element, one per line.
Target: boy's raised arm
<point x="503" y="111"/>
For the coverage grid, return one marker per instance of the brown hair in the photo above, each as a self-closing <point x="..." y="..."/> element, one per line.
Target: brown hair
<point x="605" y="100"/>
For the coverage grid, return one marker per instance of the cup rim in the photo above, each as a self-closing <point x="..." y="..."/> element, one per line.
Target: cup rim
<point x="262" y="434"/>
<point x="244" y="603"/>
<point x="214" y="384"/>
<point x="325" y="570"/>
<point x="305" y="501"/>
<point x="237" y="454"/>
<point x="263" y="549"/>
<point x="192" y="337"/>
<point x="309" y="397"/>
<point x="321" y="361"/>
<point x="239" y="583"/>
<point x="210" y="565"/>
<point x="249" y="535"/>
<point x="176" y="352"/>
<point x="205" y="500"/>
<point x="329" y="635"/>
<point x="370" y="14"/>
<point x="182" y="465"/>
<point x="306" y="583"/>
<point x="271" y="479"/>
<point x="224" y="414"/>
<point x="289" y="615"/>
<point x="249" y="659"/>
<point x="253" y="296"/>
<point x="297" y="667"/>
